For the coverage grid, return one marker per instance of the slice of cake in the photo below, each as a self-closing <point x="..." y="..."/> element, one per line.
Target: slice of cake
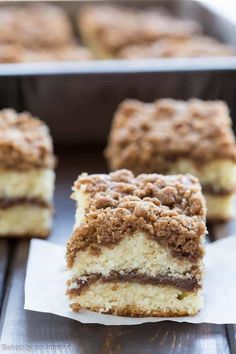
<point x="26" y="175"/>
<point x="170" y="136"/>
<point x="193" y="47"/>
<point x="106" y="30"/>
<point x="136" y="248"/>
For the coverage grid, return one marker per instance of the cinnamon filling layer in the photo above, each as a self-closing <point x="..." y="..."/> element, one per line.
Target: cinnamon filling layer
<point x="210" y="189"/>
<point x="180" y="246"/>
<point x="6" y="203"/>
<point x="134" y="276"/>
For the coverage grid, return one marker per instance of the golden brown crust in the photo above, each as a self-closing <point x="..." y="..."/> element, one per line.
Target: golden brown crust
<point x="116" y="27"/>
<point x="37" y="25"/>
<point x="150" y="136"/>
<point x="25" y="142"/>
<point x="169" y="209"/>
<point x="134" y="311"/>
<point x="197" y="46"/>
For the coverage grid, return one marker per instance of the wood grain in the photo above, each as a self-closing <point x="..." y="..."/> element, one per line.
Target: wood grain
<point x="231" y="336"/>
<point x="45" y="333"/>
<point x="4" y="251"/>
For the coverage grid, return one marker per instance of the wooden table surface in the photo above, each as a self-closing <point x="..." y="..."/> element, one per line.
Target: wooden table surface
<point x="27" y="331"/>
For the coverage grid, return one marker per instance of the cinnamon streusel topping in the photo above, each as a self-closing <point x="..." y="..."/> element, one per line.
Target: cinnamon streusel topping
<point x="169" y="209"/>
<point x="116" y="27"/>
<point x="24" y="141"/>
<point x="147" y="135"/>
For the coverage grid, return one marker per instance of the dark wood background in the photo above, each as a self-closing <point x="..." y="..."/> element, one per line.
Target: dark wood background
<point x="26" y="331"/>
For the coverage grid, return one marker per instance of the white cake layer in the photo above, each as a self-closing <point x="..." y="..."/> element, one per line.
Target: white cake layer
<point x="135" y="252"/>
<point x="25" y="220"/>
<point x="35" y="183"/>
<point x="220" y="207"/>
<point x="220" y="174"/>
<point x="141" y="298"/>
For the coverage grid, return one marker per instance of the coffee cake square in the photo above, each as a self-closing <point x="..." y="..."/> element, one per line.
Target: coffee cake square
<point x="107" y="29"/>
<point x="26" y="175"/>
<point x="35" y="25"/>
<point x="137" y="245"/>
<point x="170" y="136"/>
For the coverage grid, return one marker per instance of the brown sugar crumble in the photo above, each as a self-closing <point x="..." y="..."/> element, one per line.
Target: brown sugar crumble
<point x="146" y="135"/>
<point x="116" y="27"/>
<point x="25" y="142"/>
<point x="169" y="209"/>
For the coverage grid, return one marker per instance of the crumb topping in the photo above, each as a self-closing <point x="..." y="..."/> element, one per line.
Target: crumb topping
<point x="150" y="136"/>
<point x="197" y="46"/>
<point x="116" y="27"/>
<point x="169" y="209"/>
<point x="24" y="141"/>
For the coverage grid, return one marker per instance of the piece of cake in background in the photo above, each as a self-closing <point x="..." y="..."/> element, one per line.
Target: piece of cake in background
<point x="26" y="175"/>
<point x="171" y="136"/>
<point x="136" y="248"/>
<point x="35" y="25"/>
<point x="193" y="47"/>
<point x="106" y="30"/>
<point x="38" y="33"/>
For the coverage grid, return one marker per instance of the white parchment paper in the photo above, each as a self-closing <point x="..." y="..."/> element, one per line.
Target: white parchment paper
<point x="46" y="277"/>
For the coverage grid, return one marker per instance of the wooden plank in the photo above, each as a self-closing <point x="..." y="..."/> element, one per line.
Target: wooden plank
<point x="231" y="336"/>
<point x="4" y="252"/>
<point x="42" y="333"/>
<point x="218" y="232"/>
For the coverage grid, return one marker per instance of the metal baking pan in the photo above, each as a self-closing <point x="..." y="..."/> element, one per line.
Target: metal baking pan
<point x="78" y="100"/>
